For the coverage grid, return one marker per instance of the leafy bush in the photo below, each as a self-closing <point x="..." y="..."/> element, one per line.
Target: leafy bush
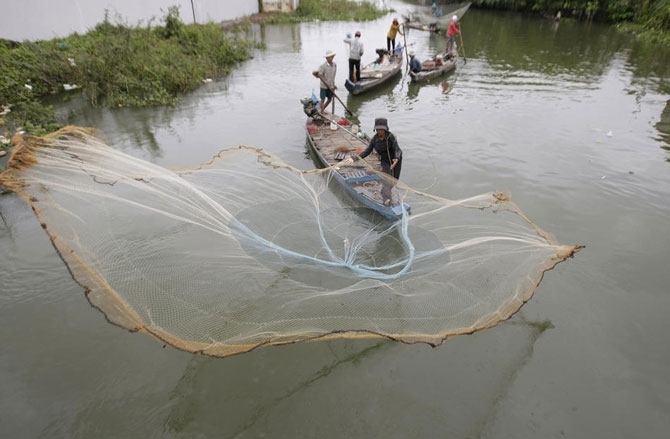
<point x="115" y="65"/>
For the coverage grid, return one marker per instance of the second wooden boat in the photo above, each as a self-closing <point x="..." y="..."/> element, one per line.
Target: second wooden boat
<point x="443" y="63"/>
<point x="385" y="67"/>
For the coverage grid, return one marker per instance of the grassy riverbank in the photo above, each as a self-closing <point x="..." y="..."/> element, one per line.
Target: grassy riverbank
<point x="114" y="65"/>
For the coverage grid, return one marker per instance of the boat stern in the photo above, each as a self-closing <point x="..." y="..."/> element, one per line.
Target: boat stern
<point x="399" y="209"/>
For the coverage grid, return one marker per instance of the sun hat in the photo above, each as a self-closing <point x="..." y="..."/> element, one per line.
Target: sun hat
<point x="454" y="18"/>
<point x="381" y="124"/>
<point x="358" y="33"/>
<point x="330" y="53"/>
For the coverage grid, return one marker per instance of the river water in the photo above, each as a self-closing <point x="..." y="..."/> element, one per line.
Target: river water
<point x="572" y="118"/>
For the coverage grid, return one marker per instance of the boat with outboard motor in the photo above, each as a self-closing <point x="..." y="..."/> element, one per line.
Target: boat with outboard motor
<point x="331" y="140"/>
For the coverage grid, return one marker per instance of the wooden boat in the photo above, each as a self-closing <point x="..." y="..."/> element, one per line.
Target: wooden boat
<point x="423" y="18"/>
<point x="331" y="139"/>
<point x="443" y="63"/>
<point x="381" y="70"/>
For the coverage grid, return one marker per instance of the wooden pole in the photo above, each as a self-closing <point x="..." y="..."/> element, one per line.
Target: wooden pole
<point x="336" y="96"/>
<point x="460" y="36"/>
<point x="404" y="29"/>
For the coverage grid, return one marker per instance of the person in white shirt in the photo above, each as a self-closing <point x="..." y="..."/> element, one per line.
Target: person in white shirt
<point x="326" y="72"/>
<point x="355" y="53"/>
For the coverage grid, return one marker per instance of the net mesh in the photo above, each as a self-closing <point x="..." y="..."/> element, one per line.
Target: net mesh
<point x="246" y="251"/>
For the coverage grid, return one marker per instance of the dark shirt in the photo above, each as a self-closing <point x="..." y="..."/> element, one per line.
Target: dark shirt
<point x="415" y="65"/>
<point x="387" y="149"/>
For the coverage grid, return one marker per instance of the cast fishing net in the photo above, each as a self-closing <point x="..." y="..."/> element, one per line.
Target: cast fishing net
<point x="246" y="251"/>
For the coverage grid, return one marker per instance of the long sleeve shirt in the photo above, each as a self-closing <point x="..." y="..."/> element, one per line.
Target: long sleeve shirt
<point x="388" y="149"/>
<point x="355" y="47"/>
<point x="393" y="31"/>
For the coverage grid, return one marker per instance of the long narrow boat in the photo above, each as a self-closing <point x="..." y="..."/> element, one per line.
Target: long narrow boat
<point x="421" y="26"/>
<point x="381" y="70"/>
<point x="331" y="139"/>
<point x="443" y="63"/>
<point x="423" y="18"/>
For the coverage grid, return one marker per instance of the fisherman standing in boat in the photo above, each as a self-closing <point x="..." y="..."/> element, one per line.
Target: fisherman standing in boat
<point x="326" y="72"/>
<point x="390" y="155"/>
<point x="355" y="53"/>
<point x="390" y="36"/>
<point x="451" y="33"/>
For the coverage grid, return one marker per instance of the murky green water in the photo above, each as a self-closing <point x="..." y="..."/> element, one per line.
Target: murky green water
<point x="572" y="118"/>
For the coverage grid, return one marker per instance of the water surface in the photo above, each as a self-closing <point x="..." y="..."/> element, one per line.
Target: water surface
<point x="571" y="118"/>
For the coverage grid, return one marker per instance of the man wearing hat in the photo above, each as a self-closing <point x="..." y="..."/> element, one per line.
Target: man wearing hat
<point x="355" y="53"/>
<point x="451" y="32"/>
<point x="326" y="72"/>
<point x="390" y="155"/>
<point x="414" y="63"/>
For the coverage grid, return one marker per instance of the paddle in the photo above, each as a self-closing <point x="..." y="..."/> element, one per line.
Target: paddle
<point x="335" y="94"/>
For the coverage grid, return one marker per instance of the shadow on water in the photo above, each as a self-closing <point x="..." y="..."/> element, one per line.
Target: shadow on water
<point x="294" y="390"/>
<point x="257" y="399"/>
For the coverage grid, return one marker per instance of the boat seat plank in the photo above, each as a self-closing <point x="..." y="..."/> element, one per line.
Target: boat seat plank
<point x="363" y="178"/>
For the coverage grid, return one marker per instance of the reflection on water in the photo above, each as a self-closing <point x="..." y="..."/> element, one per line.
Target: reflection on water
<point x="508" y="55"/>
<point x="663" y="127"/>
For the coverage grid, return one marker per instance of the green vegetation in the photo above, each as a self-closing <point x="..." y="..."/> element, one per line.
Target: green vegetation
<point x="647" y="20"/>
<point x="114" y="65"/>
<point x="653" y="15"/>
<point x="343" y="10"/>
